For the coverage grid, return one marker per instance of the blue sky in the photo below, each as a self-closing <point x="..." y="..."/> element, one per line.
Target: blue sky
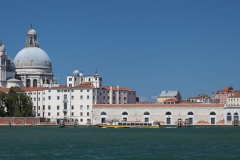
<point x="148" y="46"/>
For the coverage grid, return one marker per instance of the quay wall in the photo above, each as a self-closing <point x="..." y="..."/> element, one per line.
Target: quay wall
<point x="19" y="121"/>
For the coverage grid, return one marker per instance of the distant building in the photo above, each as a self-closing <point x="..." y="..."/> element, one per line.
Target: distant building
<point x="169" y="97"/>
<point x="223" y="94"/>
<point x="233" y="100"/>
<point x="202" y="98"/>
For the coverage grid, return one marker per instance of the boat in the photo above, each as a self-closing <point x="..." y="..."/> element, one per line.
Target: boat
<point x="152" y="124"/>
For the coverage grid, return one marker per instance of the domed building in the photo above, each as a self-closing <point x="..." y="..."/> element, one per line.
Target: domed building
<point x="7" y="70"/>
<point x="33" y="65"/>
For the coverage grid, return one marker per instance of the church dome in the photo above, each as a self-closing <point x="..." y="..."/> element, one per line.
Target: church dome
<point x="32" y="57"/>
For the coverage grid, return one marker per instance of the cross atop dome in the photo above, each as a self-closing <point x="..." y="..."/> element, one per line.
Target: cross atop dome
<point x="31" y="26"/>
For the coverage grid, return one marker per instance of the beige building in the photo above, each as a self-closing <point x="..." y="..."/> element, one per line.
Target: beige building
<point x="169" y="97"/>
<point x="223" y="94"/>
<point x="166" y="114"/>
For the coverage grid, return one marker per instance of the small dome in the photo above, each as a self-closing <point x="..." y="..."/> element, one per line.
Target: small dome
<point x="32" y="31"/>
<point x="75" y="73"/>
<point x="32" y="57"/>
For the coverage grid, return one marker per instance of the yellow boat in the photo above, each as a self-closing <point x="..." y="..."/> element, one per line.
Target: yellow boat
<point x="129" y="125"/>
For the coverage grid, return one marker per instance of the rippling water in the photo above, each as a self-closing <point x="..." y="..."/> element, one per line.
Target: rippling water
<point x="98" y="143"/>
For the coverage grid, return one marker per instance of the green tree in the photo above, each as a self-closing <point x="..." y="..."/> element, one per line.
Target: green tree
<point x="18" y="103"/>
<point x="3" y="97"/>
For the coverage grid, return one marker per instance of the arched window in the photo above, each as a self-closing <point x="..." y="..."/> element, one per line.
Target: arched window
<point x="168" y="113"/>
<point x="28" y="83"/>
<point x="190" y="113"/>
<point x="212" y="113"/>
<point x="235" y="116"/>
<point x="146" y="113"/>
<point x="229" y="117"/>
<point x="124" y="113"/>
<point x="103" y="113"/>
<point x="34" y="83"/>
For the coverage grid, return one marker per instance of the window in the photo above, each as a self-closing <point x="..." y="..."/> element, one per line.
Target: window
<point x="34" y="99"/>
<point x="190" y="113"/>
<point x="72" y="107"/>
<point x="87" y="107"/>
<point x="72" y="113"/>
<point x="43" y="107"/>
<point x="49" y="107"/>
<point x="81" y="90"/>
<point x="87" y="113"/>
<point x="229" y="117"/>
<point x="70" y="79"/>
<point x="103" y="113"/>
<point x="81" y="120"/>
<point x="81" y="97"/>
<point x="58" y="90"/>
<point x="124" y="113"/>
<point x="88" y="90"/>
<point x="168" y="113"/>
<point x="70" y="85"/>
<point x="146" y="113"/>
<point x="57" y="107"/>
<point x="72" y="97"/>
<point x="81" y="113"/>
<point x="65" y="96"/>
<point x="38" y="99"/>
<point x="103" y="97"/>
<point x="49" y="90"/>
<point x="49" y="97"/>
<point x="146" y="119"/>
<point x="57" y="113"/>
<point x="87" y="97"/>
<point x="57" y="97"/>
<point x="81" y="107"/>
<point x="213" y="113"/>
<point x="49" y="114"/>
<point x="125" y="98"/>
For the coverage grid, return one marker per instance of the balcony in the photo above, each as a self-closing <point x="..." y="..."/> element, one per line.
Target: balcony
<point x="65" y="110"/>
<point x="65" y="101"/>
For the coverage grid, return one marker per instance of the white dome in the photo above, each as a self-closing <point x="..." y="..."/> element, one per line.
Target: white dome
<point x="32" y="57"/>
<point x="32" y="31"/>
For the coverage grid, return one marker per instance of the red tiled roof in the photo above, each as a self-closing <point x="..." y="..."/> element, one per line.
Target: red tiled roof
<point x="85" y="85"/>
<point x="170" y="100"/>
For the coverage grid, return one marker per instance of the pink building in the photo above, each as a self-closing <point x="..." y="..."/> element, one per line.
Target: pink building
<point x="223" y="94"/>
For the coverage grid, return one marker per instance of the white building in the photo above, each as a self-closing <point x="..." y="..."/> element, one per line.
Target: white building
<point x="32" y="68"/>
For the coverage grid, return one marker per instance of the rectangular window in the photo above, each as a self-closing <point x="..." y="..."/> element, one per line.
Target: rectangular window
<point x="81" y="120"/>
<point x="65" y="96"/>
<point x="49" y="90"/>
<point x="49" y="114"/>
<point x="81" y="90"/>
<point x="43" y="98"/>
<point x="43" y="107"/>
<point x="72" y="113"/>
<point x="70" y="85"/>
<point x="70" y="79"/>
<point x="72" y="97"/>
<point x="49" y="97"/>
<point x="81" y="107"/>
<point x="38" y="99"/>
<point x="87" y="97"/>
<point x="146" y="119"/>
<point x="81" y="97"/>
<point x="81" y="113"/>
<point x="72" y="107"/>
<point x="49" y="107"/>
<point x="58" y="90"/>
<point x="58" y="98"/>
<point x="103" y="97"/>
<point x="87" y="107"/>
<point x="57" y="107"/>
<point x="34" y="99"/>
<point x="88" y="90"/>
<point x="87" y="113"/>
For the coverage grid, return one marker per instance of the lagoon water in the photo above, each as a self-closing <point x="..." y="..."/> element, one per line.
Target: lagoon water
<point x="98" y="143"/>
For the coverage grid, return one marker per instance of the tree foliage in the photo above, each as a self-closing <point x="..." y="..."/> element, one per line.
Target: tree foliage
<point x="15" y="103"/>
